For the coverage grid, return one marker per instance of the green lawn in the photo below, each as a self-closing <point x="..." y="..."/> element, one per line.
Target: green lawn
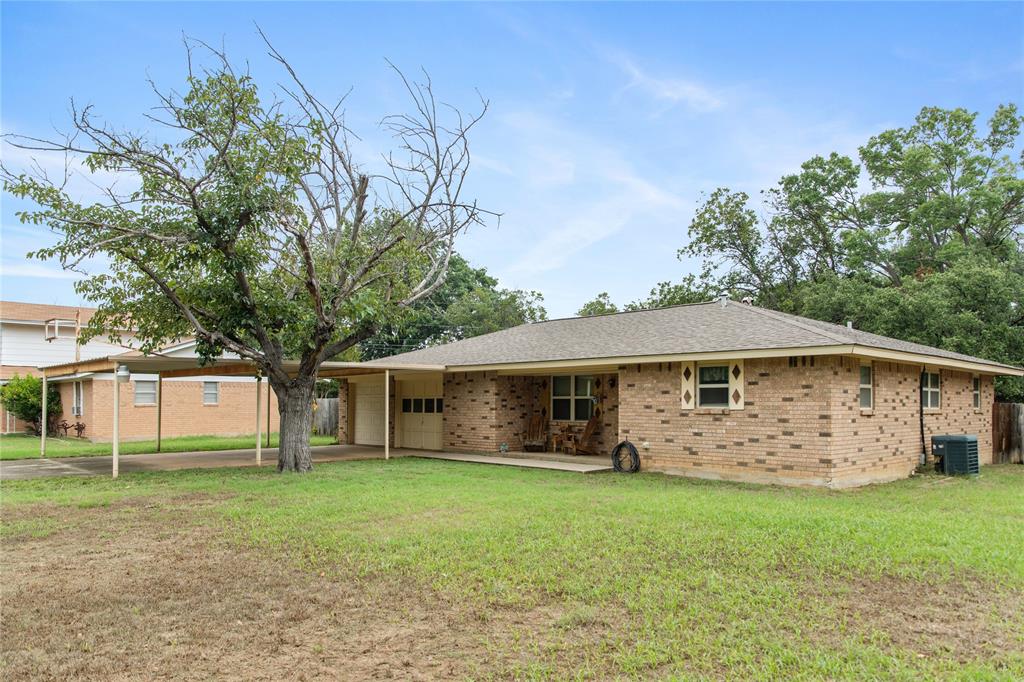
<point x="691" y="579"/>
<point x="19" y="446"/>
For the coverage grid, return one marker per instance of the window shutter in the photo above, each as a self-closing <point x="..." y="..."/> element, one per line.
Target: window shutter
<point x="736" y="385"/>
<point x="689" y="386"/>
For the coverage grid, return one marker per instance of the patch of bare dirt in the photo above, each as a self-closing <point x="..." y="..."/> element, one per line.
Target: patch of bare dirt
<point x="144" y="591"/>
<point x="963" y="617"/>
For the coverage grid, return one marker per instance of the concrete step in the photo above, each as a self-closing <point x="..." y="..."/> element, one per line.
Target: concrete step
<point x="587" y="467"/>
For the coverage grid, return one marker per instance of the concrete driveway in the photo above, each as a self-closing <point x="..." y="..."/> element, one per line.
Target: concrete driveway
<point x="20" y="469"/>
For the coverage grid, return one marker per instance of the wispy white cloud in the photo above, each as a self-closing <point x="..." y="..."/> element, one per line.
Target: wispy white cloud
<point x="672" y="90"/>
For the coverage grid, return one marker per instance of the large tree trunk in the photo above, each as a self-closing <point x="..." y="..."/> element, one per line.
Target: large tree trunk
<point x="295" y="405"/>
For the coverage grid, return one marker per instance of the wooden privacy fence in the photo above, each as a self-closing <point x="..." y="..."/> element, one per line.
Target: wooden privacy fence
<point x="1007" y="433"/>
<point x="325" y="416"/>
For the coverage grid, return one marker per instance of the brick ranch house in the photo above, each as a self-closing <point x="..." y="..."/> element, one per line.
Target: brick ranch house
<point x="35" y="335"/>
<point x="716" y="390"/>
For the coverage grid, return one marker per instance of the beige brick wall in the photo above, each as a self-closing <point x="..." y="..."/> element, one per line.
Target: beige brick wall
<point x="799" y="425"/>
<point x="484" y="410"/>
<point x="470" y="413"/>
<point x="343" y="414"/>
<point x="782" y="435"/>
<point x="183" y="411"/>
<point x="884" y="443"/>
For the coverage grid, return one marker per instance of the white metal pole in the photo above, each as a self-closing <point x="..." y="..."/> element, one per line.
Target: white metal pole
<point x="117" y="420"/>
<point x="159" y="408"/>
<point x="42" y="423"/>
<point x="387" y="414"/>
<point x="259" y="420"/>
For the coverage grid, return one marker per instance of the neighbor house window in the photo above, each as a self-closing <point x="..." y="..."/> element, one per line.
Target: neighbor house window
<point x="211" y="393"/>
<point x="145" y="392"/>
<point x="713" y="386"/>
<point x="976" y="388"/>
<point x="572" y="397"/>
<point x="867" y="394"/>
<point x="931" y="395"/>
<point x="77" y="402"/>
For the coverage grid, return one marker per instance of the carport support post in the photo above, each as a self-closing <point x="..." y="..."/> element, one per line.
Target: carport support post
<point x="42" y="424"/>
<point x="159" y="407"/>
<point x="387" y="414"/>
<point x="117" y="421"/>
<point x="259" y="420"/>
<point x="268" y="414"/>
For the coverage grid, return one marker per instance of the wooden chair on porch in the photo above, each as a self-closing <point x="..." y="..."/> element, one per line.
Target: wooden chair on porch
<point x="536" y="438"/>
<point x="584" y="444"/>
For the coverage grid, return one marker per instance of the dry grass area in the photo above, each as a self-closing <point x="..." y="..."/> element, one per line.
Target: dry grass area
<point x="430" y="571"/>
<point x="143" y="591"/>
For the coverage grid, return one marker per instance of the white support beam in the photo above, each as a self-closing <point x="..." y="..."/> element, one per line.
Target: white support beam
<point x="117" y="422"/>
<point x="43" y="422"/>
<point x="387" y="414"/>
<point x="268" y="413"/>
<point x="159" y="408"/>
<point x="259" y="420"/>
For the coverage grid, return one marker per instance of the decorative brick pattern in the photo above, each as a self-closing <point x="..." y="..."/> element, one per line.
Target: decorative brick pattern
<point x="800" y="425"/>
<point x="782" y="434"/>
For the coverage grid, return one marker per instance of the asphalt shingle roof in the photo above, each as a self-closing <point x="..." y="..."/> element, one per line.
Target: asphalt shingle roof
<point x="697" y="328"/>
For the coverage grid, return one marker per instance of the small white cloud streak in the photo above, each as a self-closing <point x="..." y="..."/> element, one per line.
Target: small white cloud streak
<point x="692" y="94"/>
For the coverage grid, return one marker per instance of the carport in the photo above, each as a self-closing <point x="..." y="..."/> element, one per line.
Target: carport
<point x="123" y="365"/>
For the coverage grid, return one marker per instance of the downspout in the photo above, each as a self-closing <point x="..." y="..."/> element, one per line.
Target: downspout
<point x="920" y="413"/>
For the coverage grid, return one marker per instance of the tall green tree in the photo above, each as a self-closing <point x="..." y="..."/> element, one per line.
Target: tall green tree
<point x="468" y="303"/>
<point x="920" y="239"/>
<point x="245" y="219"/>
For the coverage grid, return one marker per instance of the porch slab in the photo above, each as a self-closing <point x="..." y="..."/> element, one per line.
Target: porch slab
<point x="590" y="465"/>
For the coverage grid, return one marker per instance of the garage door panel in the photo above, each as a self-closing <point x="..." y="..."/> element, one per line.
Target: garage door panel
<point x="369" y="414"/>
<point x="420" y="423"/>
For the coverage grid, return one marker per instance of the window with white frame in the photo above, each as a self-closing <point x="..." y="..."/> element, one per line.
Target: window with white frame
<point x="77" y="399"/>
<point x="867" y="392"/>
<point x="572" y="397"/>
<point x="145" y="392"/>
<point x="713" y="386"/>
<point x="931" y="392"/>
<point x="211" y="392"/>
<point x="976" y="390"/>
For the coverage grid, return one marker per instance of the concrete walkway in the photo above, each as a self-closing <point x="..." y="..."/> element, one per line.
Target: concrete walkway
<point x="19" y="469"/>
<point x="584" y="465"/>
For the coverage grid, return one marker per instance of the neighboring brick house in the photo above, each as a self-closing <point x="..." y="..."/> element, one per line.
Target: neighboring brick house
<point x="717" y="390"/>
<point x="35" y="335"/>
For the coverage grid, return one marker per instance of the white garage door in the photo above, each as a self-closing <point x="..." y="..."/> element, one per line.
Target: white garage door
<point x="370" y="413"/>
<point x="421" y="415"/>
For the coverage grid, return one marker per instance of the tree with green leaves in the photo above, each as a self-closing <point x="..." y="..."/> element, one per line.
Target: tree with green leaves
<point x="919" y="240"/>
<point x="252" y="226"/>
<point x="22" y="396"/>
<point x="468" y="303"/>
<point x="601" y="305"/>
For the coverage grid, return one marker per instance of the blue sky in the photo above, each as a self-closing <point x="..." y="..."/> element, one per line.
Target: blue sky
<point x="607" y="121"/>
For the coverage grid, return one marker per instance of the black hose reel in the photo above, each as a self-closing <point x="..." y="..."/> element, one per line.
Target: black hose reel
<point x="625" y="458"/>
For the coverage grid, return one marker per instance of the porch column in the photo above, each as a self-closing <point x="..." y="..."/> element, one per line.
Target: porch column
<point x="117" y="421"/>
<point x="259" y="420"/>
<point x="387" y="414"/>
<point x="159" y="407"/>
<point x="268" y="414"/>
<point x="42" y="423"/>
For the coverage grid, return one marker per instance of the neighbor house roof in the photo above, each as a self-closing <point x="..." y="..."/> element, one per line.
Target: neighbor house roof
<point x="38" y="313"/>
<point x="675" y="333"/>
